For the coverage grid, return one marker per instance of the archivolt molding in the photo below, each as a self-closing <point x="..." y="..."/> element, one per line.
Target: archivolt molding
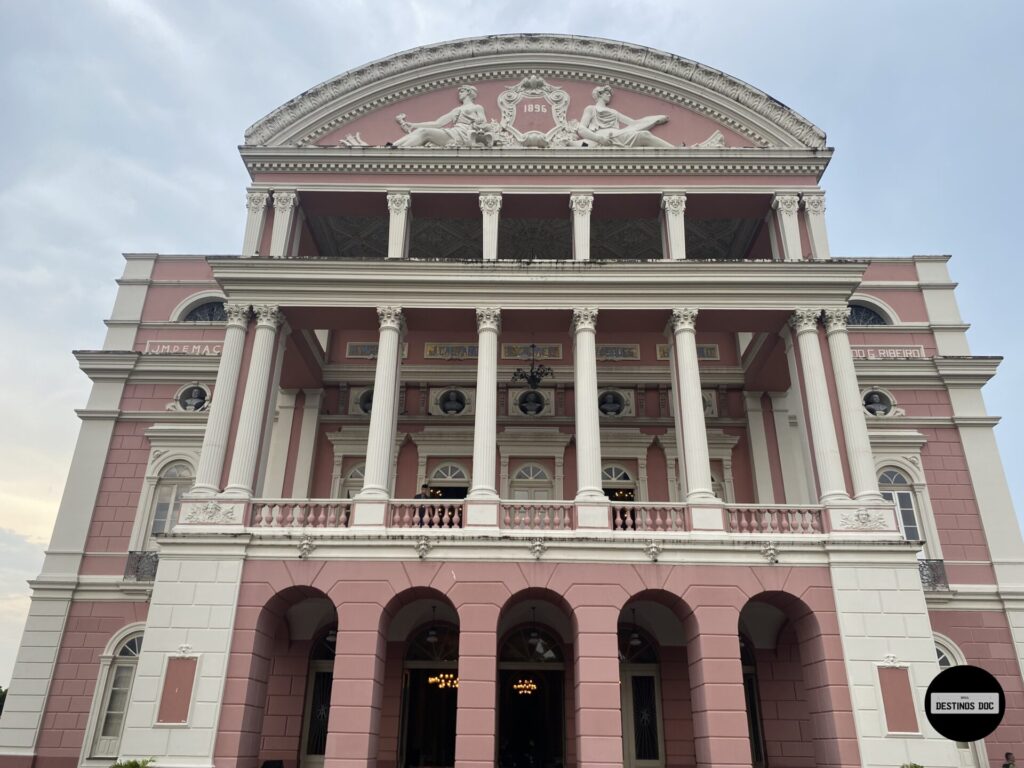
<point x="731" y="102"/>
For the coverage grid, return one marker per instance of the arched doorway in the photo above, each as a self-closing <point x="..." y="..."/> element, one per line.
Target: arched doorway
<point x="531" y="481"/>
<point x="531" y="699"/>
<point x="429" y="696"/>
<point x="643" y="735"/>
<point x="617" y="483"/>
<point x="316" y="714"/>
<point x="449" y="481"/>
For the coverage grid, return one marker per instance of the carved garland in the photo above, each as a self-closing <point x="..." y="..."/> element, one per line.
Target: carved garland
<point x="348" y="83"/>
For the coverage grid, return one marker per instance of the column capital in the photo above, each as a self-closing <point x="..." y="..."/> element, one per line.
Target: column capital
<point x="285" y="201"/>
<point x="237" y="314"/>
<point x="399" y="202"/>
<point x="581" y="203"/>
<point x="390" y="317"/>
<point x="256" y="201"/>
<point x="674" y="203"/>
<point x="488" y="319"/>
<point x="835" y="319"/>
<point x="490" y="202"/>
<point x="268" y="314"/>
<point x="683" y="320"/>
<point x="814" y="203"/>
<point x="805" y="319"/>
<point x="786" y="204"/>
<point x="584" y="319"/>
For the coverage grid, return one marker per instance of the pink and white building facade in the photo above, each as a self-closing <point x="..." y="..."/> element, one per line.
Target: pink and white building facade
<point x="741" y="505"/>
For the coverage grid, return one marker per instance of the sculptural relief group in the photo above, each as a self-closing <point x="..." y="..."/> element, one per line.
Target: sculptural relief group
<point x="599" y="126"/>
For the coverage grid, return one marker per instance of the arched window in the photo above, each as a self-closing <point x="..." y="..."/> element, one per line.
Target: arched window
<point x="117" y="689"/>
<point x="531" y="482"/>
<point x="617" y="483"/>
<point x="531" y="472"/>
<point x="862" y="315"/>
<point x="208" y="312"/>
<point x="449" y="473"/>
<point x="531" y="644"/>
<point x="896" y="488"/>
<point x="175" y="480"/>
<point x="613" y="473"/>
<point x="435" y="643"/>
<point x="353" y="482"/>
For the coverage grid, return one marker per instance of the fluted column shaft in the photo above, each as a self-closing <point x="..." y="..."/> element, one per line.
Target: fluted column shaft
<point x="488" y="323"/>
<point x="256" y="205"/>
<point x="398" y="208"/>
<point x="831" y="485"/>
<point x="380" y="442"/>
<point x="696" y="458"/>
<point x="218" y="423"/>
<point x="490" y="208"/>
<point x="588" y="425"/>
<point x="254" y="403"/>
<point x="674" y="206"/>
<point x="581" y="205"/>
<point x="851" y="411"/>
<point x="284" y="212"/>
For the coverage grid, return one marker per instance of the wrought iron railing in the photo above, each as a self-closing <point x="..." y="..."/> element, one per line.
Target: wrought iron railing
<point x="649" y="517"/>
<point x="933" y="575"/>
<point x="141" y="566"/>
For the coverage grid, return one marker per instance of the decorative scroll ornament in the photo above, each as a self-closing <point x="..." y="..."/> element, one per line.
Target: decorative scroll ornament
<point x="814" y="204"/>
<point x="684" y="319"/>
<point x="863" y="520"/>
<point x="653" y="550"/>
<point x="285" y="201"/>
<point x="256" y="201"/>
<point x="889" y="660"/>
<point x="390" y="317"/>
<point x="835" y="319"/>
<point x="237" y="314"/>
<point x="184" y="649"/>
<point x="490" y="203"/>
<point x="423" y="547"/>
<point x="674" y="205"/>
<point x="770" y="552"/>
<point x="531" y="90"/>
<point x="584" y="319"/>
<point x="537" y="548"/>
<point x="268" y="314"/>
<point x="804" y="319"/>
<point x="488" y="319"/>
<point x="787" y="205"/>
<point x="306" y="546"/>
<point x="581" y="205"/>
<point x="398" y="202"/>
<point x="211" y="512"/>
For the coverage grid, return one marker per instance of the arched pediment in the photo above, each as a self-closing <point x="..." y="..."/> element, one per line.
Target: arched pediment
<point x="533" y="86"/>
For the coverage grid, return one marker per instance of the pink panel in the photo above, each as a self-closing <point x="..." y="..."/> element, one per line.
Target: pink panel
<point x="120" y="485"/>
<point x="898" y="700"/>
<point x="176" y="697"/>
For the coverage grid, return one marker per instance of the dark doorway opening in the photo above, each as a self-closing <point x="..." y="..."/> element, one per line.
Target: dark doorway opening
<point x="430" y="706"/>
<point x="532" y="718"/>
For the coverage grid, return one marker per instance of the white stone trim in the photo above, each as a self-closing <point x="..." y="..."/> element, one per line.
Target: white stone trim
<point x="529" y="444"/>
<point x="308" y="431"/>
<point x="890" y="451"/>
<point x="280" y="435"/>
<point x="168" y="443"/>
<point x="442" y="443"/>
<point x="889" y="314"/>
<point x="126" y="314"/>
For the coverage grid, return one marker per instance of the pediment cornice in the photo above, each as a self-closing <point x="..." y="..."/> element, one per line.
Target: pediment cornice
<point x="733" y="103"/>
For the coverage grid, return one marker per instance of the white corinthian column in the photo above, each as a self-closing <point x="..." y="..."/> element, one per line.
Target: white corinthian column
<point x="218" y="423"/>
<point x="398" y="224"/>
<point x="285" y="204"/>
<point x="786" y="207"/>
<point x="490" y="207"/>
<point x="581" y="204"/>
<point x="588" y="424"/>
<point x="256" y="205"/>
<point x="814" y="215"/>
<point x="690" y="403"/>
<point x="488" y="324"/>
<point x="254" y="403"/>
<point x="851" y="411"/>
<point x="674" y="205"/>
<point x="831" y="485"/>
<point x="380" y="442"/>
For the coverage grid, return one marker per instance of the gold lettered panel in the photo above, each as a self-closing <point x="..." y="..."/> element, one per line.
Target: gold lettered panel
<point x="444" y="350"/>
<point x="522" y="352"/>
<point x="613" y="352"/>
<point x="367" y="350"/>
<point x="704" y="352"/>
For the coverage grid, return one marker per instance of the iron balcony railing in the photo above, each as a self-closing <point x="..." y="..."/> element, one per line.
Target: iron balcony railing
<point x="933" y="575"/>
<point x="141" y="566"/>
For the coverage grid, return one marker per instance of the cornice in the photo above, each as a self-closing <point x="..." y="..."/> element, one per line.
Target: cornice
<point x="735" y="161"/>
<point x="556" y="284"/>
<point x="731" y="102"/>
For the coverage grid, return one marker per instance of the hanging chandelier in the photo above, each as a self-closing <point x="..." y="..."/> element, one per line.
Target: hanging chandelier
<point x="536" y="373"/>
<point x="525" y="686"/>
<point x="444" y="680"/>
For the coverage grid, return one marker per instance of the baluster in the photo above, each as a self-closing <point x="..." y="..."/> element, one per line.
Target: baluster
<point x="507" y="511"/>
<point x="458" y="515"/>
<point x="265" y="517"/>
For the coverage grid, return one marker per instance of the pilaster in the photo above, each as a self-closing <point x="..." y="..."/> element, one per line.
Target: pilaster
<point x="764" y="490"/>
<point x="256" y="212"/>
<point x="814" y="215"/>
<point x="285" y="203"/>
<point x="581" y="204"/>
<point x="280" y="437"/>
<point x="490" y="208"/>
<point x="399" y="205"/>
<point x="786" y="207"/>
<point x="307" y="443"/>
<point x="674" y="206"/>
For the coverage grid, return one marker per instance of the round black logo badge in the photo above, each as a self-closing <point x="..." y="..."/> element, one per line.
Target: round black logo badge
<point x="964" y="703"/>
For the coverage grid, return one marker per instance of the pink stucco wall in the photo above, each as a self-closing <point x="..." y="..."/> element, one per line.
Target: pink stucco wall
<point x="121" y="483"/>
<point x="90" y="627"/>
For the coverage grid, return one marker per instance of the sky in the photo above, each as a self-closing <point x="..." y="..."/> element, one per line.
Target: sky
<point x="123" y="118"/>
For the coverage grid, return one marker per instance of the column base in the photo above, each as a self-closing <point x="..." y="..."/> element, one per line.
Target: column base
<point x="481" y="514"/>
<point x="482" y="494"/>
<point x="236" y="492"/>
<point x="203" y="491"/>
<point x="593" y="515"/>
<point x="706" y="515"/>
<point x="369" y="513"/>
